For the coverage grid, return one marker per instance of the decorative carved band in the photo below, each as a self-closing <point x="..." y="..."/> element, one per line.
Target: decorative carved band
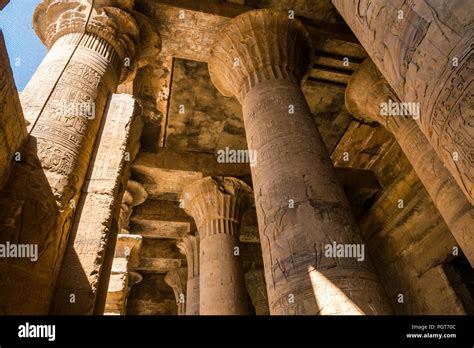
<point x="53" y="19"/>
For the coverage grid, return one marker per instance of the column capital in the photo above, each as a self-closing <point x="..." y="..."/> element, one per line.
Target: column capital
<point x="189" y="246"/>
<point x="366" y="92"/>
<point x="134" y="195"/>
<point x="177" y="279"/>
<point x="110" y="20"/>
<point x="259" y="45"/>
<point x="216" y="201"/>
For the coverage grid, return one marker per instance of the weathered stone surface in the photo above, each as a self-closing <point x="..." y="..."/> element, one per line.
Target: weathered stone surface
<point x="189" y="246"/>
<point x="88" y="258"/>
<point x="152" y="296"/>
<point x="12" y="123"/>
<point x="426" y="57"/>
<point x="122" y="279"/>
<point x="257" y="289"/>
<point x="64" y="103"/>
<point x="203" y="120"/>
<point x="293" y="167"/>
<point x="365" y="94"/>
<point x="152" y="89"/>
<point x="216" y="204"/>
<point x="413" y="250"/>
<point x="177" y="279"/>
<point x="134" y="195"/>
<point x="404" y="242"/>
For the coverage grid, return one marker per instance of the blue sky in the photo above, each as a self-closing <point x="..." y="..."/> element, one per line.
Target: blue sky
<point x="24" y="48"/>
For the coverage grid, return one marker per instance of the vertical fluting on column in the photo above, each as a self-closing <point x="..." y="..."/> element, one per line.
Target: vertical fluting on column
<point x="366" y="95"/>
<point x="426" y="55"/>
<point x="189" y="246"/>
<point x="217" y="204"/>
<point x="260" y="57"/>
<point x="257" y="289"/>
<point x="177" y="279"/>
<point x="64" y="103"/>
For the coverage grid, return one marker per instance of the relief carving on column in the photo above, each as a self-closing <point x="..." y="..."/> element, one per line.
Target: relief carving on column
<point x="426" y="54"/>
<point x="38" y="204"/>
<point x="257" y="289"/>
<point x="110" y="20"/>
<point x="366" y="93"/>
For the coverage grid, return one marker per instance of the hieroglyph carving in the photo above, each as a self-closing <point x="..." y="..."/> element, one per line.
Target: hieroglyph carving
<point x="89" y="41"/>
<point x="366" y="92"/>
<point x="426" y="54"/>
<point x="273" y="54"/>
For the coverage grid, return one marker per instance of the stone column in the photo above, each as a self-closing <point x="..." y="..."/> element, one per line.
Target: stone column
<point x="257" y="289"/>
<point x="126" y="257"/>
<point x="64" y="103"/>
<point x="260" y="57"/>
<point x="217" y="204"/>
<point x="189" y="246"/>
<point x="366" y="94"/>
<point x="177" y="279"/>
<point x="426" y="55"/>
<point x="85" y="271"/>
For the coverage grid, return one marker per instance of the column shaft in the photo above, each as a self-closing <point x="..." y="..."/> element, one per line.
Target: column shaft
<point x="216" y="205"/>
<point x="293" y="164"/>
<point x="426" y="55"/>
<point x="37" y="205"/>
<point x="222" y="289"/>
<point x="256" y="287"/>
<point x="301" y="207"/>
<point x="366" y="94"/>
<point x="189" y="246"/>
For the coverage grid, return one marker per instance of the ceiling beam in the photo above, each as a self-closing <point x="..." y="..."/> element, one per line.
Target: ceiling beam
<point x="188" y="29"/>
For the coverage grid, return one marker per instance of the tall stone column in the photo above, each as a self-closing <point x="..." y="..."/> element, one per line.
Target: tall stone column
<point x="64" y="103"/>
<point x="256" y="287"/>
<point x="189" y="246"/>
<point x="260" y="57"/>
<point x="217" y="204"/>
<point x="366" y="94"/>
<point x="86" y="266"/>
<point x="177" y="279"/>
<point x="426" y="55"/>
